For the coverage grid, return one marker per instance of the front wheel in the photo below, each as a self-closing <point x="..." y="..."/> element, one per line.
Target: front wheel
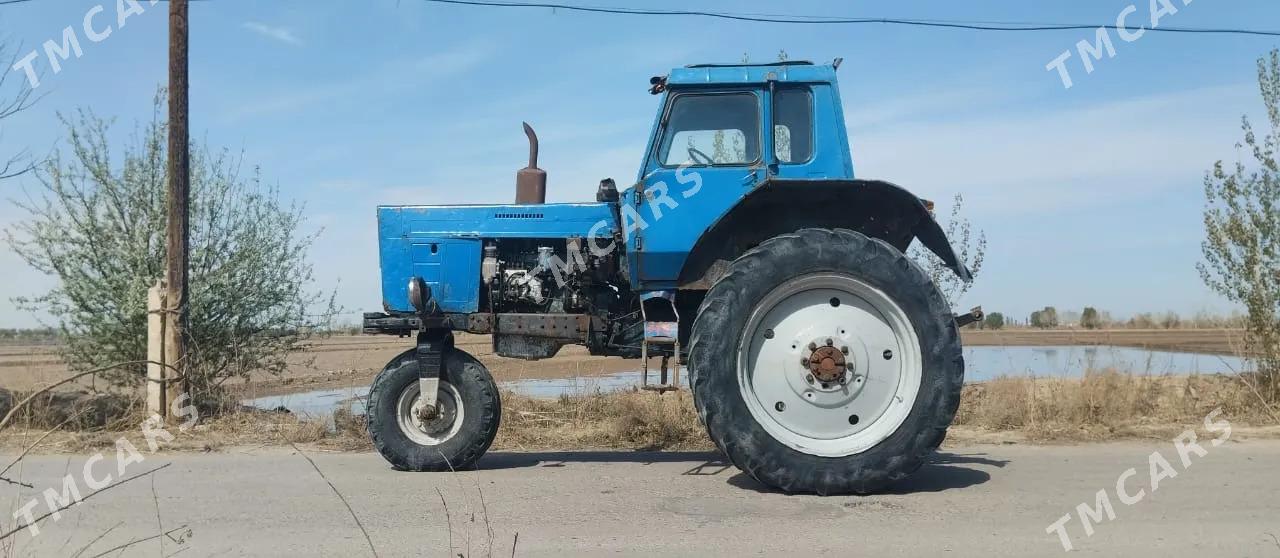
<point x="826" y="361"/>
<point x="453" y="438"/>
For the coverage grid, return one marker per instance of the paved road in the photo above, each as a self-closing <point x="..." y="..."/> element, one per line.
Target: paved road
<point x="972" y="501"/>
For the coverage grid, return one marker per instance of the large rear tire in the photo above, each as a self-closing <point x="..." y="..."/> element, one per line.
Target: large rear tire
<point x="470" y="410"/>
<point x="825" y="361"/>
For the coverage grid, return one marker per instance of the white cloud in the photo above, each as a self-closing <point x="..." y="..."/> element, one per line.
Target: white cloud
<point x="282" y="34"/>
<point x="387" y="78"/>
<point x="911" y="108"/>
<point x="453" y="62"/>
<point x="1041" y="158"/>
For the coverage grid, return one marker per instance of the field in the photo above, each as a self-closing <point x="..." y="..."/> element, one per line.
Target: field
<point x="345" y="361"/>
<point x="332" y="362"/>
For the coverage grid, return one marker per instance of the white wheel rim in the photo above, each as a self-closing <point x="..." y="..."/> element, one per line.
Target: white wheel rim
<point x="879" y="390"/>
<point x="434" y="431"/>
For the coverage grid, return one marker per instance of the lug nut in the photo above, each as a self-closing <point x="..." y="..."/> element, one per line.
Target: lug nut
<point x="809" y="378"/>
<point x="830" y="342"/>
<point x="813" y="346"/>
<point x="844" y="350"/>
<point x="804" y="361"/>
<point x="848" y="365"/>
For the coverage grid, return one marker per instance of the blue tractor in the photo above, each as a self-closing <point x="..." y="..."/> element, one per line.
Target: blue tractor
<point x="820" y="358"/>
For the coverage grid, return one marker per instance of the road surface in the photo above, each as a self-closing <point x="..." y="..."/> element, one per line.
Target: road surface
<point x="971" y="501"/>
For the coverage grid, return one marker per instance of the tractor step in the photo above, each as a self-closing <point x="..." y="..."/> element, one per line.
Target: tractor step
<point x="660" y="334"/>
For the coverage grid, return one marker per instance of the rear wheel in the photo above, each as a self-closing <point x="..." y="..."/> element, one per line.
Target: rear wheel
<point x="826" y="361"/>
<point x="456" y="436"/>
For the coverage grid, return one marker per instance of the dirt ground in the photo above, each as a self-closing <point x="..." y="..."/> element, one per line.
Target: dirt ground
<point x="345" y="361"/>
<point x="333" y="362"/>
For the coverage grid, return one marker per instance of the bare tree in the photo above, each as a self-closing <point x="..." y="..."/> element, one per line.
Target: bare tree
<point x="15" y="96"/>
<point x="970" y="246"/>
<point x="1242" y="231"/>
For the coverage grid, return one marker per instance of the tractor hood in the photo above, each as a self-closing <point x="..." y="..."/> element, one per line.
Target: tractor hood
<point x="551" y="220"/>
<point x="441" y="244"/>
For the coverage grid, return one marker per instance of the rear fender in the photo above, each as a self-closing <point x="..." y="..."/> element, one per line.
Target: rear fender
<point x="872" y="207"/>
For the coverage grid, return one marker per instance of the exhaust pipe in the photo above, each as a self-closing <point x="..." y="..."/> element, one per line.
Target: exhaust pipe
<point x="531" y="181"/>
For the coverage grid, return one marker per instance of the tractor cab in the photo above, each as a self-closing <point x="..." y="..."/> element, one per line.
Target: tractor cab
<point x="720" y="132"/>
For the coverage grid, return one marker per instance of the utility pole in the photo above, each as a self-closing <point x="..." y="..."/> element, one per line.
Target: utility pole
<point x="178" y="232"/>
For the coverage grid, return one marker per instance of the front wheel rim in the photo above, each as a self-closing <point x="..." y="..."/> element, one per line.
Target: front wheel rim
<point x="829" y="365"/>
<point x="430" y="432"/>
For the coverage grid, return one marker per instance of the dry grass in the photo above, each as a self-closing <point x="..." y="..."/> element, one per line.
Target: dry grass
<point x="626" y="420"/>
<point x="1105" y="404"/>
<point x="96" y="421"/>
<point x="72" y="409"/>
<point x="1100" y="406"/>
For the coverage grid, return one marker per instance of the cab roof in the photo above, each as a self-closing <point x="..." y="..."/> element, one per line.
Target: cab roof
<point x="729" y="74"/>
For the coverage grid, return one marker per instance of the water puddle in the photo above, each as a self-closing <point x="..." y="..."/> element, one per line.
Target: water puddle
<point x="314" y="403"/>
<point x="981" y="364"/>
<point x="555" y="387"/>
<point x="1072" y="361"/>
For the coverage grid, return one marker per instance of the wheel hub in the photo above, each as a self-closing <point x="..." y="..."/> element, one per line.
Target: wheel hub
<point x="434" y="420"/>
<point x="826" y="363"/>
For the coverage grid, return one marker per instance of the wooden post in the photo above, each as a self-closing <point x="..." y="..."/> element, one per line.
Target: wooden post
<point x="179" y="196"/>
<point x="155" y="350"/>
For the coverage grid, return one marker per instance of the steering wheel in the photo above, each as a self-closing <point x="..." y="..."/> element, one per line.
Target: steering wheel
<point x="700" y="157"/>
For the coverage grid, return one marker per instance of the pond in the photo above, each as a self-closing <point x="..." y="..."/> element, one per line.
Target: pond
<point x="981" y="364"/>
<point x="1072" y="361"/>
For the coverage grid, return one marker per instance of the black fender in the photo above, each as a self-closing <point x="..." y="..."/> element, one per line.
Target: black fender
<point x="875" y="208"/>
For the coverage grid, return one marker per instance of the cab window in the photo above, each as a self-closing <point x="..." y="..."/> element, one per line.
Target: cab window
<point x="793" y="125"/>
<point x="720" y="129"/>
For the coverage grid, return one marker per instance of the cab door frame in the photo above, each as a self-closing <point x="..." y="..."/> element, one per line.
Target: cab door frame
<point x="670" y="206"/>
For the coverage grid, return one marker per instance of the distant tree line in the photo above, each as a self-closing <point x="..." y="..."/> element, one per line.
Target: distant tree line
<point x="28" y="335"/>
<point x="1092" y="318"/>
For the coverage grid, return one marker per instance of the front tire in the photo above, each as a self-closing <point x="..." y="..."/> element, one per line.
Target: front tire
<point x="470" y="410"/>
<point x="825" y="361"/>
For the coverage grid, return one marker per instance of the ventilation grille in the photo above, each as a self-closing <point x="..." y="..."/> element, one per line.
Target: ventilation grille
<point x="517" y="216"/>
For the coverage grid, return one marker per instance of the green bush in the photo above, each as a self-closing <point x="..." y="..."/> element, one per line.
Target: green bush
<point x="99" y="230"/>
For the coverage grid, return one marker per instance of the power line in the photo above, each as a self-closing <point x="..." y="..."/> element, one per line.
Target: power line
<point x="827" y="20"/>
<point x="7" y="2"/>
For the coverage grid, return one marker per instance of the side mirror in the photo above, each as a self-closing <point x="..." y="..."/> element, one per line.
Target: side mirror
<point x="419" y="294"/>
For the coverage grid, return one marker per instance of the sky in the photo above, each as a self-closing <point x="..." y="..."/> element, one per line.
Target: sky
<point x="1088" y="195"/>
